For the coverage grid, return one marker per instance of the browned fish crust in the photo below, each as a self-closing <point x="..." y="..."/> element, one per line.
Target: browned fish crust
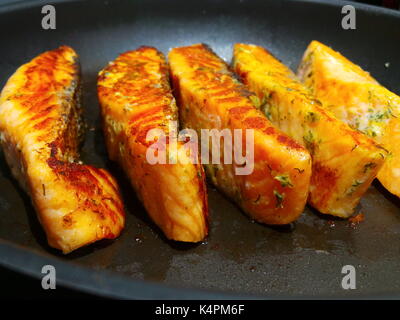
<point x="135" y="97"/>
<point x="345" y="161"/>
<point x="356" y="98"/>
<point x="41" y="130"/>
<point x="210" y="97"/>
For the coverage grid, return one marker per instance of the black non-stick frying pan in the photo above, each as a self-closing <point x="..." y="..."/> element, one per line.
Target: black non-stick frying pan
<point x="240" y="258"/>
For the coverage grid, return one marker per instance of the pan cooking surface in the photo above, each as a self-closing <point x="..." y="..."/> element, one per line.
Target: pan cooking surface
<point x="239" y="257"/>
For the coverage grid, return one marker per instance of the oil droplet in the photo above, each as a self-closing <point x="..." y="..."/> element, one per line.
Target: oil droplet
<point x="331" y="224"/>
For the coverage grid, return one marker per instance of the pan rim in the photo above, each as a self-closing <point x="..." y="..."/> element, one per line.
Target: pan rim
<point x="148" y="289"/>
<point x="14" y="5"/>
<point x="137" y="289"/>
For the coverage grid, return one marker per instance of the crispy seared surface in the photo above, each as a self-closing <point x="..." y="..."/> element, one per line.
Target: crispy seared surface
<point x="345" y="161"/>
<point x="40" y="133"/>
<point x="135" y="97"/>
<point x="209" y="97"/>
<point x="358" y="99"/>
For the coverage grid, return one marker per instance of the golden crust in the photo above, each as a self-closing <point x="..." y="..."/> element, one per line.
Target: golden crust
<point x="40" y="134"/>
<point x="345" y="162"/>
<point x="135" y="97"/>
<point x="209" y="97"/>
<point x="355" y="97"/>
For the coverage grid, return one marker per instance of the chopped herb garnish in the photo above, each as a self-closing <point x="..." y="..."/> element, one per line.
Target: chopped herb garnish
<point x="379" y="116"/>
<point x="383" y="148"/>
<point x="369" y="165"/>
<point x="354" y="186"/>
<point x="311" y="117"/>
<point x="284" y="180"/>
<point x="268" y="114"/>
<point x="371" y="131"/>
<point x="309" y="142"/>
<point x="256" y="101"/>
<point x="279" y="199"/>
<point x="299" y="170"/>
<point x="262" y="104"/>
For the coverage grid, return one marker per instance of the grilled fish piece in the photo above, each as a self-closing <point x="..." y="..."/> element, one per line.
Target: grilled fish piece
<point x="358" y="99"/>
<point x="135" y="97"/>
<point x="345" y="161"/>
<point x="209" y="97"/>
<point x="40" y="129"/>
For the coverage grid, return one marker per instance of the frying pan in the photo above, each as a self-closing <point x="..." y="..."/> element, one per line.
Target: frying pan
<point x="240" y="258"/>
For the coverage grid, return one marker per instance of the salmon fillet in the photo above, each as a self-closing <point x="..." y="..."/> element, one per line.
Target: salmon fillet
<point x="40" y="126"/>
<point x="135" y="97"/>
<point x="209" y="97"/>
<point x="358" y="99"/>
<point x="345" y="161"/>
